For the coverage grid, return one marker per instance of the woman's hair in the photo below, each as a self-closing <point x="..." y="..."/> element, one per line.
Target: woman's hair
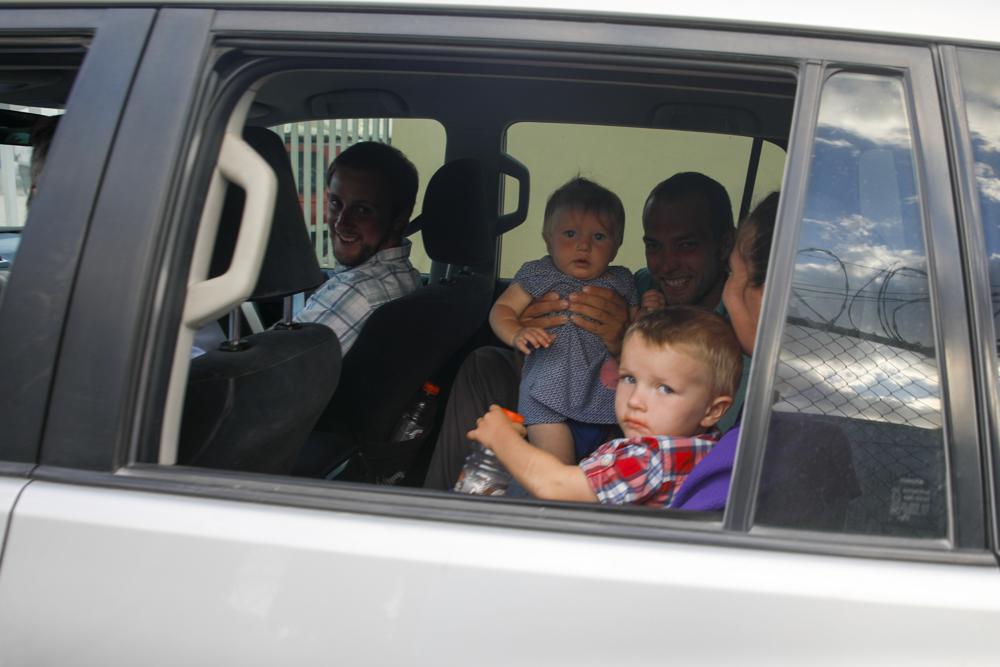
<point x="753" y="238"/>
<point x="585" y="195"/>
<point x="700" y="333"/>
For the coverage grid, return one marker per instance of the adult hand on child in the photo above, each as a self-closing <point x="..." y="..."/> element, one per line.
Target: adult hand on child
<point x="494" y="427"/>
<point x="653" y="300"/>
<point x="603" y="312"/>
<point x="527" y="339"/>
<point x="545" y="312"/>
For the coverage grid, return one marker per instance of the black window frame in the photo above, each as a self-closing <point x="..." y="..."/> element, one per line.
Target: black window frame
<point x="38" y="297"/>
<point x="130" y="424"/>
<point x="977" y="277"/>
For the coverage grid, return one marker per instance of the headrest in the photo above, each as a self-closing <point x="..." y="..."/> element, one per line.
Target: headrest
<point x="290" y="264"/>
<point x="454" y="221"/>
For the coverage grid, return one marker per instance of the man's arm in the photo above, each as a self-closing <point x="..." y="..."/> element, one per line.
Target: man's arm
<point x="546" y="311"/>
<point x="342" y="307"/>
<point x="540" y="473"/>
<point x="607" y="310"/>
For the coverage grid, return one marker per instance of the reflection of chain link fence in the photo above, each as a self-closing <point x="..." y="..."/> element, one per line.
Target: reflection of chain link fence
<point x="884" y="398"/>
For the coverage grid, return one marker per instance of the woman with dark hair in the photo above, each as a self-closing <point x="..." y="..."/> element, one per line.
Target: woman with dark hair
<point x="707" y="487"/>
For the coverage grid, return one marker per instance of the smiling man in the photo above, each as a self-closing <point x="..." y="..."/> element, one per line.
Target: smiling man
<point x="688" y="231"/>
<point x="371" y="189"/>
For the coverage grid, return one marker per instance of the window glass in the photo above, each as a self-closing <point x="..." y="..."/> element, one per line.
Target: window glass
<point x="855" y="441"/>
<point x="982" y="105"/>
<point x="17" y="175"/>
<point x="421" y="140"/>
<point x="769" y="171"/>
<point x="629" y="162"/>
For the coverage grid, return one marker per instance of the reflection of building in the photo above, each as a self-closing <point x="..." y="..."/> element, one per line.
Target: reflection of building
<point x="15" y="182"/>
<point x="15" y="175"/>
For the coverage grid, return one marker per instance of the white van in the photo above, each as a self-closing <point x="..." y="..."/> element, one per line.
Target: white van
<point x="156" y="504"/>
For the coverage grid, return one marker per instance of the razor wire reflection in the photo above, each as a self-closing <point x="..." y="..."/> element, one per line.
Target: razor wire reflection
<point x="859" y="340"/>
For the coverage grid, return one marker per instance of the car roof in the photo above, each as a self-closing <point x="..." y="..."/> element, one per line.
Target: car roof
<point x="961" y="20"/>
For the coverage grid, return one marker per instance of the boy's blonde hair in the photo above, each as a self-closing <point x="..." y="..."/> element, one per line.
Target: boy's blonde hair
<point x="585" y="195"/>
<point x="702" y="334"/>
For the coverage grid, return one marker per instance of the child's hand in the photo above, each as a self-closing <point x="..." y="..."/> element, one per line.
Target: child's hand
<point x="529" y="338"/>
<point x="653" y="300"/>
<point x="495" y="427"/>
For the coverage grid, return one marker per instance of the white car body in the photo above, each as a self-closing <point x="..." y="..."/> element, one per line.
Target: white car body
<point x="154" y="565"/>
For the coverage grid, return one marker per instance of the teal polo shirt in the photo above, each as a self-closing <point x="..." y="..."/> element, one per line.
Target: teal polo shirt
<point x="643" y="282"/>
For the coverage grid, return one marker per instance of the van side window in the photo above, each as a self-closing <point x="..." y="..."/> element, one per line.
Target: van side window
<point x="629" y="161"/>
<point x="982" y="106"/>
<point x="855" y="441"/>
<point x="20" y="166"/>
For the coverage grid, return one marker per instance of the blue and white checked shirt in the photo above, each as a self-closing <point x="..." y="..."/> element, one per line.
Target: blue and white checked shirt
<point x="345" y="301"/>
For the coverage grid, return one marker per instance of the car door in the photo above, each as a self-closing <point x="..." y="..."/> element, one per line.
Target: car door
<point x="194" y="565"/>
<point x="84" y="59"/>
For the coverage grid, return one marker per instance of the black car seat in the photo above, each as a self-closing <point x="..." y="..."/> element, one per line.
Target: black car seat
<point x="251" y="407"/>
<point x="406" y="341"/>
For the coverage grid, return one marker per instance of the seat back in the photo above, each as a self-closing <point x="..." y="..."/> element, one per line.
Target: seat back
<point x="407" y="341"/>
<point x="252" y="408"/>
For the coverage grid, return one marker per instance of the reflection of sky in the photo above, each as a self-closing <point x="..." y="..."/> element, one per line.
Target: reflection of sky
<point x="862" y="260"/>
<point x="867" y="107"/>
<point x="981" y="89"/>
<point x="860" y="276"/>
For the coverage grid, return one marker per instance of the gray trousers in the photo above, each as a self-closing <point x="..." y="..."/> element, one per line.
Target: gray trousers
<point x="488" y="375"/>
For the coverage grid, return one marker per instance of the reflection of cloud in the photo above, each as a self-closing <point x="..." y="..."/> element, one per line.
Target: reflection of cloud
<point x="855" y="238"/>
<point x="835" y="143"/>
<point x="855" y="273"/>
<point x="989" y="183"/>
<point x="868" y="106"/>
<point x="809" y="268"/>
<point x="881" y="257"/>
<point x="984" y="127"/>
<point x="979" y="75"/>
<point x="982" y="98"/>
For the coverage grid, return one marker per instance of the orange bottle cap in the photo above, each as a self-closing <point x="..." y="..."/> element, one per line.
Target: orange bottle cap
<point x="513" y="416"/>
<point x="431" y="388"/>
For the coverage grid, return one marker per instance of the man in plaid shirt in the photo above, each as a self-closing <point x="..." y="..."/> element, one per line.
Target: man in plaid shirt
<point x="371" y="191"/>
<point x="679" y="370"/>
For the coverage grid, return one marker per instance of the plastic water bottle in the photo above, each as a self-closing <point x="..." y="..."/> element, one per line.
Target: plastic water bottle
<point x="419" y="417"/>
<point x="483" y="474"/>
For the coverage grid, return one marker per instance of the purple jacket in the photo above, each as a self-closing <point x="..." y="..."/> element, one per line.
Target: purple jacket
<point x="707" y="487"/>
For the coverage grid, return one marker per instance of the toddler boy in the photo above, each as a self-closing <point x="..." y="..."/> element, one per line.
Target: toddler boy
<point x="678" y="372"/>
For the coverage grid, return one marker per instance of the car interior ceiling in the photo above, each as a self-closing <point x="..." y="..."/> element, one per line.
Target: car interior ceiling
<point x="751" y="103"/>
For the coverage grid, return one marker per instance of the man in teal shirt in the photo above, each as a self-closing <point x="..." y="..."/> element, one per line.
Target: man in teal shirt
<point x="688" y="232"/>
